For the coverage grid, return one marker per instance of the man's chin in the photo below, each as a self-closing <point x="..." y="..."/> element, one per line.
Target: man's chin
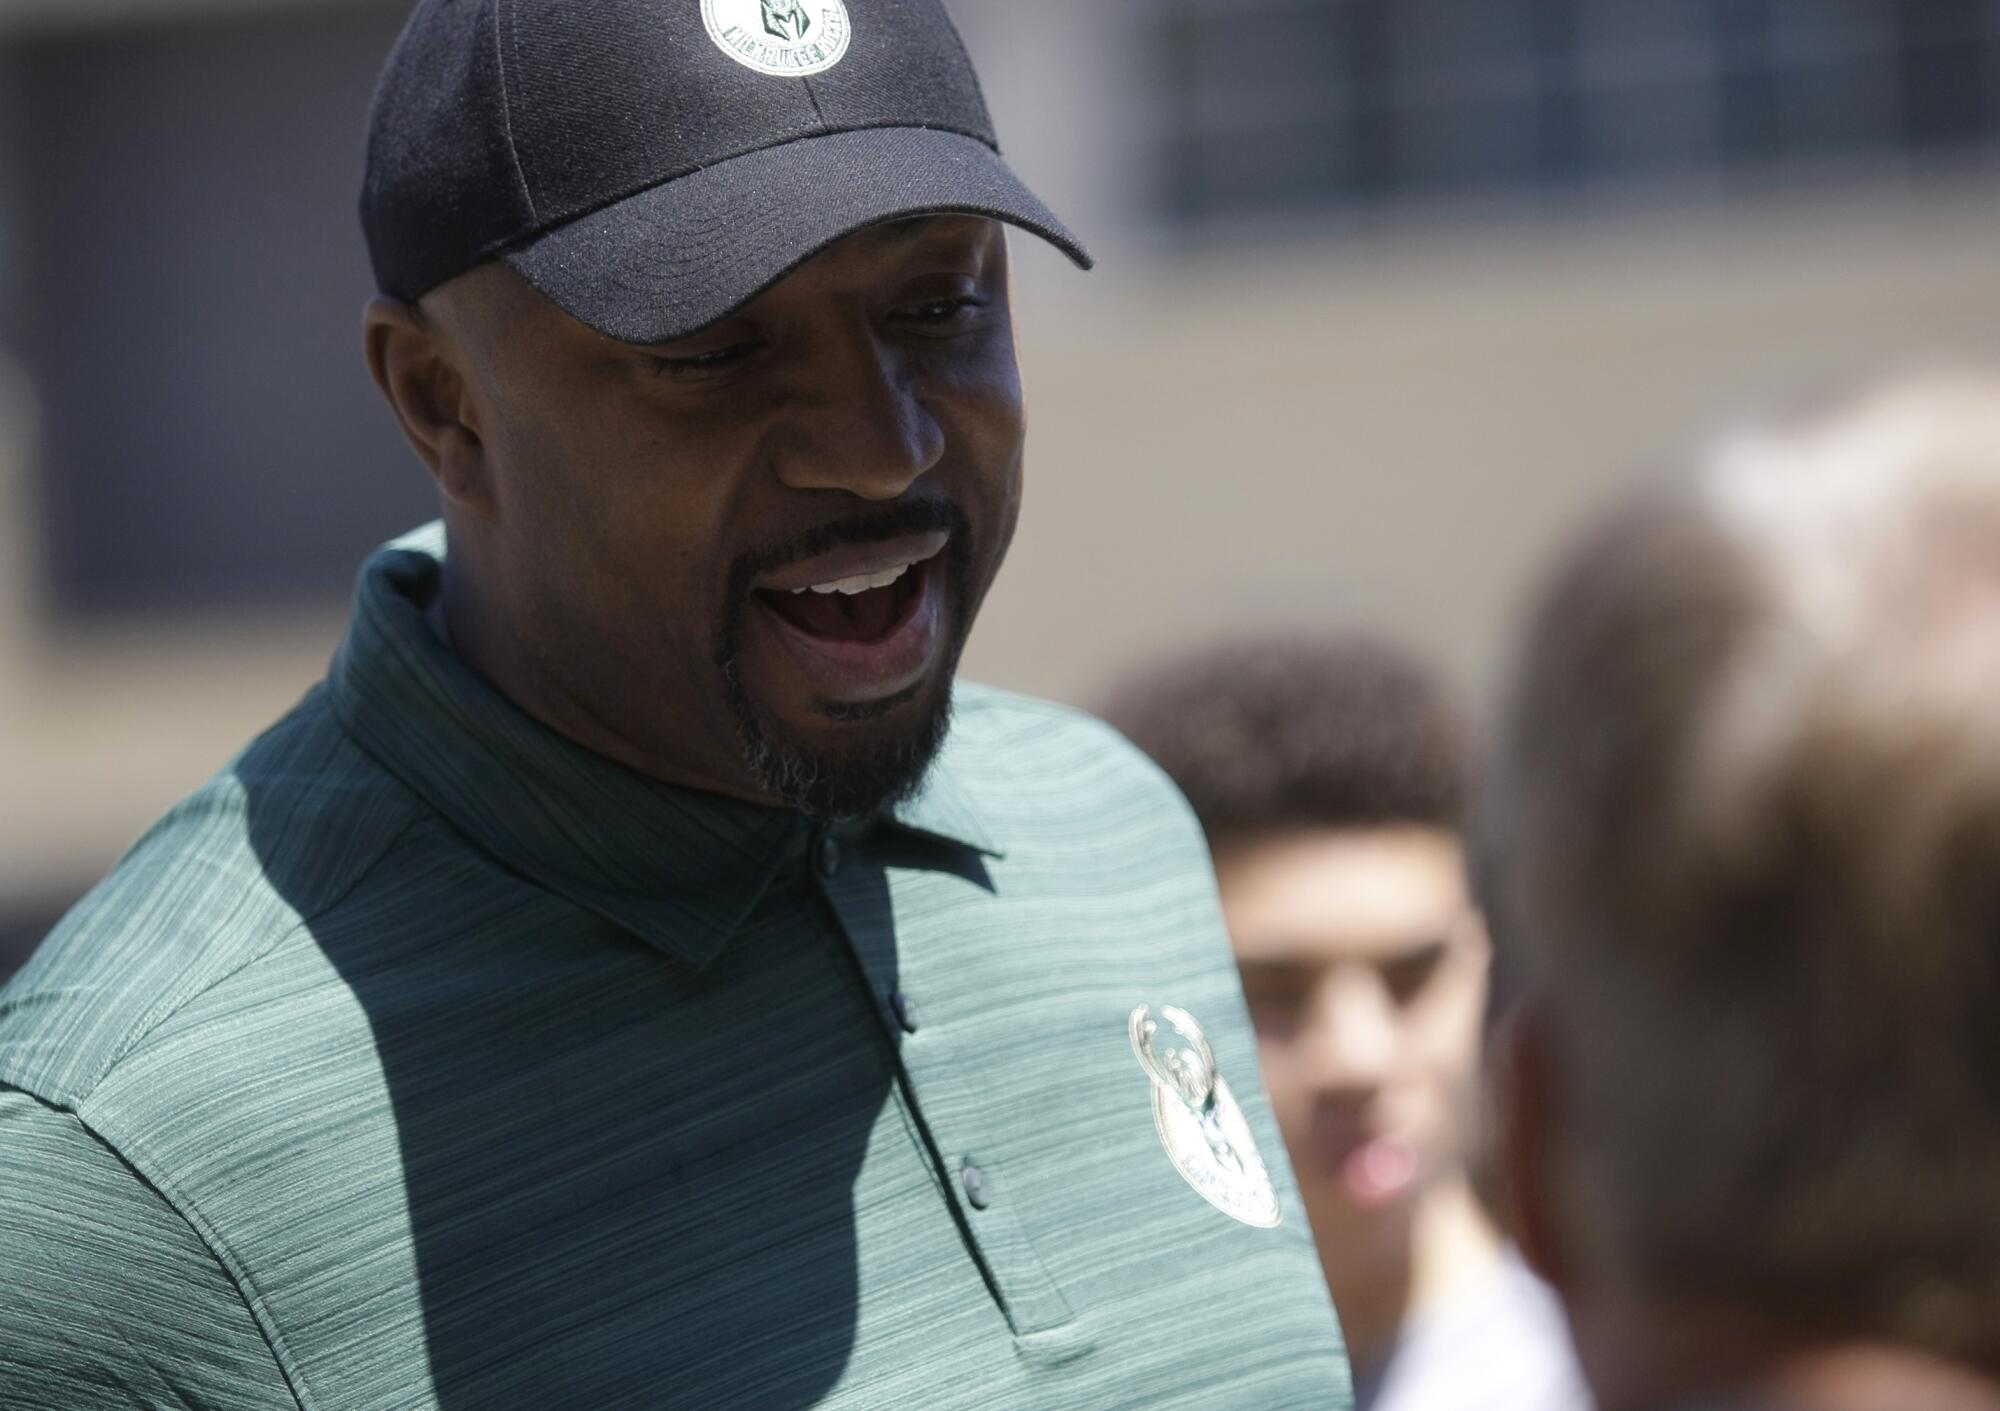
<point x="848" y="760"/>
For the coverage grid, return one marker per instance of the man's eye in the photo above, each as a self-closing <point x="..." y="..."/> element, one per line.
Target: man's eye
<point x="1406" y="976"/>
<point x="1272" y="994"/>
<point x="1274" y="1010"/>
<point x="960" y="308"/>
<point x="708" y="360"/>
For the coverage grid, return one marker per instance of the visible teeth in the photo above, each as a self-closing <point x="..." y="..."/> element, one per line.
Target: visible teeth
<point x="860" y="583"/>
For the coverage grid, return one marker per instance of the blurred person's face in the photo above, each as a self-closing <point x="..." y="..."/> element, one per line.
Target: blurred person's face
<point x="750" y="557"/>
<point x="1364" y="963"/>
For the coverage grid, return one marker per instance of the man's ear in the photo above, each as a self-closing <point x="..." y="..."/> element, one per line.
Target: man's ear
<point x="1528" y="1143"/>
<point x="411" y="361"/>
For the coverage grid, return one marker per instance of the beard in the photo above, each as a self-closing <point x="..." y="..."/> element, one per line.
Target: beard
<point x="873" y="775"/>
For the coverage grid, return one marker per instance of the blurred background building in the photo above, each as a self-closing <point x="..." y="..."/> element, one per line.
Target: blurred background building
<point x="1391" y="290"/>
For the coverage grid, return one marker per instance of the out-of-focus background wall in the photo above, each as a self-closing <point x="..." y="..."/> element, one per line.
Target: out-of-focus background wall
<point x="1390" y="291"/>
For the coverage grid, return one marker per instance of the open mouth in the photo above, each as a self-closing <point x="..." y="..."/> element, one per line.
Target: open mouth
<point x="873" y="627"/>
<point x="864" y="609"/>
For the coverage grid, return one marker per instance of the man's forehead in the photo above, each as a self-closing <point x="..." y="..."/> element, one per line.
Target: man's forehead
<point x="908" y="231"/>
<point x="877" y="249"/>
<point x="1339" y="890"/>
<point x="898" y="232"/>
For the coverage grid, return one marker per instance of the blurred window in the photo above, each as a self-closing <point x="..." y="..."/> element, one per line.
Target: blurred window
<point x="185" y="277"/>
<point x="1282" y="106"/>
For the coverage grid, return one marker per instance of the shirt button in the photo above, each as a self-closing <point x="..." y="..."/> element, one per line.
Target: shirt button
<point x="974" y="1181"/>
<point x="906" y="1011"/>
<point x="826" y="857"/>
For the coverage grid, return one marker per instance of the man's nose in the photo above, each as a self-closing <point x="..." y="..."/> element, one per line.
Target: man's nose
<point x="1353" y="1031"/>
<point x="858" y="423"/>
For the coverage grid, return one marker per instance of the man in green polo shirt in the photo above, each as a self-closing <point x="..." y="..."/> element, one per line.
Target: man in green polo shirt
<point x="634" y="977"/>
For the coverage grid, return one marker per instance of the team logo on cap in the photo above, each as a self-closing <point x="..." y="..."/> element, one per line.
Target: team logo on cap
<point x="784" y="38"/>
<point x="1200" y="1125"/>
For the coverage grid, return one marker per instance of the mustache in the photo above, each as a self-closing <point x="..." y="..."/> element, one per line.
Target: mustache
<point x="891" y="522"/>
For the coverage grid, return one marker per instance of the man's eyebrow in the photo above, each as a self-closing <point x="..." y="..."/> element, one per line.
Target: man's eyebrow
<point x="910" y="227"/>
<point x="904" y="231"/>
<point x="1274" y="967"/>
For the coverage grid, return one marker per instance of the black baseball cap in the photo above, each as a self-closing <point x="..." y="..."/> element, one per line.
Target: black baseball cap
<point x="650" y="165"/>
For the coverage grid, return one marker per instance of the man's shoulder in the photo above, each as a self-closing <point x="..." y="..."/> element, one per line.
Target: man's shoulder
<point x="226" y="878"/>
<point x="1073" y="806"/>
<point x="107" y="1284"/>
<point x="988" y="711"/>
<point x="1014" y="750"/>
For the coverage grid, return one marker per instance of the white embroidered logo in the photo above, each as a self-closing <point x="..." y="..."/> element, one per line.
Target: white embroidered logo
<point x="783" y="38"/>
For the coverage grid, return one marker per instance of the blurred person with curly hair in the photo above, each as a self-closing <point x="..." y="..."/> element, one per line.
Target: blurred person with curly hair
<point x="1330" y="779"/>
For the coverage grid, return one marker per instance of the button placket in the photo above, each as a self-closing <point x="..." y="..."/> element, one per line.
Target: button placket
<point x="944" y="1108"/>
<point x="950" y="1110"/>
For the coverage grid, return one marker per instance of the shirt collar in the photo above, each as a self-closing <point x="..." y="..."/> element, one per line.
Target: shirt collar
<point x="680" y="867"/>
<point x="943" y="810"/>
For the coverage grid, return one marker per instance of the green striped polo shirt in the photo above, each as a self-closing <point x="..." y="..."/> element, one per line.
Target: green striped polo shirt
<point x="425" y="1059"/>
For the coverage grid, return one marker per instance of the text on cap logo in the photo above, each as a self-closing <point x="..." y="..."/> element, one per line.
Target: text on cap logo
<point x="783" y="38"/>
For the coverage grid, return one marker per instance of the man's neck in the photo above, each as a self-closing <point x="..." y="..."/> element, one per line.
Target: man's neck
<point x="1379" y="1284"/>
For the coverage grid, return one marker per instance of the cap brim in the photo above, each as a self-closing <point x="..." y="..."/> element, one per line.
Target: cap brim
<point x="676" y="257"/>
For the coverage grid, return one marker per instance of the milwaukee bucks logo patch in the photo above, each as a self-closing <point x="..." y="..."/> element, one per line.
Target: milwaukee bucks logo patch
<point x="1200" y="1125"/>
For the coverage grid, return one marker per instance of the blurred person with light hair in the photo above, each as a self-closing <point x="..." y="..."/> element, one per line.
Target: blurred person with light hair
<point x="1744" y="819"/>
<point x="1330" y="778"/>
